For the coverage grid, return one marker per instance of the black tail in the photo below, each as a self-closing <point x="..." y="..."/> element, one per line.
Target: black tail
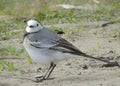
<point x="99" y="59"/>
<point x="91" y="57"/>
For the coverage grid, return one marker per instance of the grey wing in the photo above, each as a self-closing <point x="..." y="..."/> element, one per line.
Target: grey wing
<point x="66" y="47"/>
<point x="43" y="44"/>
<point x="45" y="38"/>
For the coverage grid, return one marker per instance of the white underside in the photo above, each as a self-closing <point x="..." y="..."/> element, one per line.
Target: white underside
<point x="44" y="56"/>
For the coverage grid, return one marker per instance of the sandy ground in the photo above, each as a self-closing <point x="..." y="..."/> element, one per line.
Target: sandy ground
<point x="74" y="71"/>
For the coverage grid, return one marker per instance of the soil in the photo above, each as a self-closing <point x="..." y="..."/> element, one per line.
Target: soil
<point x="97" y="41"/>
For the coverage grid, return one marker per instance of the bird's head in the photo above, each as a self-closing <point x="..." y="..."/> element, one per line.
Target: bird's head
<point x="33" y="26"/>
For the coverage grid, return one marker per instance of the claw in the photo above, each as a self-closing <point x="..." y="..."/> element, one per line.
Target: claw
<point x="39" y="79"/>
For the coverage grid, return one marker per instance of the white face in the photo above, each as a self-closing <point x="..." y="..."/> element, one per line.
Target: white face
<point x="33" y="26"/>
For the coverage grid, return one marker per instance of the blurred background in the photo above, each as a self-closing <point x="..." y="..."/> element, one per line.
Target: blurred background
<point x="72" y="19"/>
<point x="93" y="26"/>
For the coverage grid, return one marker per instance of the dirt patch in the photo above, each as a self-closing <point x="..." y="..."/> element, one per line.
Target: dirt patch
<point x="73" y="71"/>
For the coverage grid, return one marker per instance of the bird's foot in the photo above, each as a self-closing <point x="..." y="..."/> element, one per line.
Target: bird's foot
<point x="39" y="79"/>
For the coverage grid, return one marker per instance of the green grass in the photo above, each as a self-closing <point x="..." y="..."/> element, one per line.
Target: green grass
<point x="1" y="67"/>
<point x="4" y="65"/>
<point x="10" y="51"/>
<point x="10" y="29"/>
<point x="99" y="43"/>
<point x="29" y="60"/>
<point x="43" y="11"/>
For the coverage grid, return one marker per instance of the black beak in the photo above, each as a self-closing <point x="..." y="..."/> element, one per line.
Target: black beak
<point x="31" y="26"/>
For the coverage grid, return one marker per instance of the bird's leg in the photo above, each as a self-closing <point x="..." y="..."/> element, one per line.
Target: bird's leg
<point x="47" y="74"/>
<point x="50" y="71"/>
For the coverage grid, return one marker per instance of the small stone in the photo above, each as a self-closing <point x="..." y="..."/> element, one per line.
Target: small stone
<point x="79" y="73"/>
<point x="39" y="69"/>
<point x="85" y="67"/>
<point x="68" y="64"/>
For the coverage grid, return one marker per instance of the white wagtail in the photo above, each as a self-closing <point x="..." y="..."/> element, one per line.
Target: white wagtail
<point x="45" y="46"/>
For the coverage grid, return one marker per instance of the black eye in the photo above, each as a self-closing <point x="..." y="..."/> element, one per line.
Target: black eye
<point x="37" y="24"/>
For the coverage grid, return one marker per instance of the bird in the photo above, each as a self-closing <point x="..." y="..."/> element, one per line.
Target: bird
<point x="46" y="47"/>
